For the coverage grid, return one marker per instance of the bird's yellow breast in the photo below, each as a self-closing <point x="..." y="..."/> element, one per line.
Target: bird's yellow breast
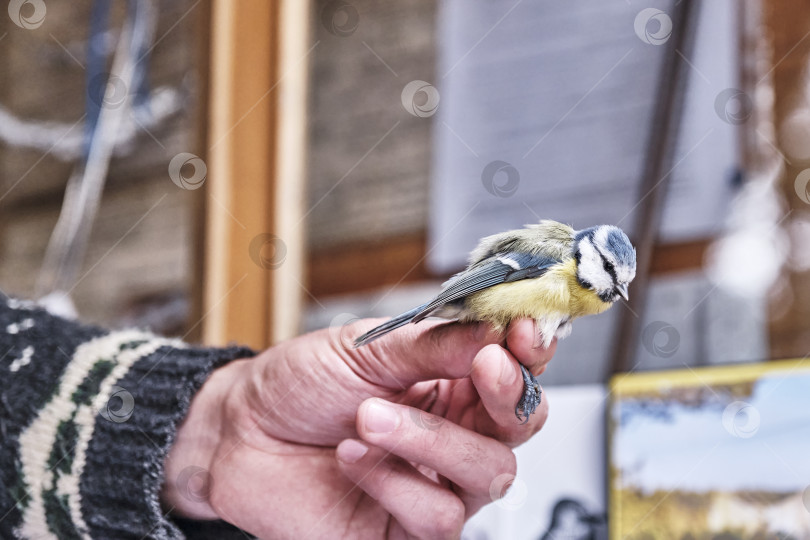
<point x="557" y="292"/>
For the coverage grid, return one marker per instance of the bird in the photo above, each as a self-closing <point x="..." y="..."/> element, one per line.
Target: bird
<point x="546" y="271"/>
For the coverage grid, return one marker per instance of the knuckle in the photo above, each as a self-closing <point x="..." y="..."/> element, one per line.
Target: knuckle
<point x="449" y="519"/>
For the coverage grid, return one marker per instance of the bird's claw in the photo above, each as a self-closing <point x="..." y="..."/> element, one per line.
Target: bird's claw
<point x="531" y="396"/>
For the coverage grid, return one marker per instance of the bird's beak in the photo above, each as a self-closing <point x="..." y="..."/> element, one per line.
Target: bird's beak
<point x="622" y="290"/>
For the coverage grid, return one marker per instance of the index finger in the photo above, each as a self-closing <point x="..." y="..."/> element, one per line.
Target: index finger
<point x="524" y="341"/>
<point x="419" y="352"/>
<point x="497" y="379"/>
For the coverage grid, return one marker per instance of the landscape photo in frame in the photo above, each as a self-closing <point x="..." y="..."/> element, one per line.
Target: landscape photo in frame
<point x="715" y="452"/>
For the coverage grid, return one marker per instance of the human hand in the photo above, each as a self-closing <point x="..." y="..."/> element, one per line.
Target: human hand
<point x="407" y="436"/>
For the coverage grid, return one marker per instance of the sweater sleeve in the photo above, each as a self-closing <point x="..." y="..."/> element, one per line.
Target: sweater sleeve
<point x="87" y="417"/>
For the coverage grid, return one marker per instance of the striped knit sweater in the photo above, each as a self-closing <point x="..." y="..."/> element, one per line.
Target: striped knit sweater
<point x="87" y="417"/>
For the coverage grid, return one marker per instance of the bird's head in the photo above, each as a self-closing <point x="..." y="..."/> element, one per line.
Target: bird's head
<point x="606" y="261"/>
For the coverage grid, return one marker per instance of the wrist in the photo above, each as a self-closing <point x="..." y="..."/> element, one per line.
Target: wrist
<point x="187" y="478"/>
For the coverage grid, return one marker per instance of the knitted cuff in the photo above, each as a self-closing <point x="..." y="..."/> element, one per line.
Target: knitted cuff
<point x="96" y="450"/>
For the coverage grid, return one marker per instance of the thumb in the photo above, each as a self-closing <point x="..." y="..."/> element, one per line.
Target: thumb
<point x="418" y="352"/>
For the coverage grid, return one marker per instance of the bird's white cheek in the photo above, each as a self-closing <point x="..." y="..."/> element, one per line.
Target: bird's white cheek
<point x="596" y="276"/>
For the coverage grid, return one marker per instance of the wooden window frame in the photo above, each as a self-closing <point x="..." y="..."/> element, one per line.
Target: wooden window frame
<point x="253" y="247"/>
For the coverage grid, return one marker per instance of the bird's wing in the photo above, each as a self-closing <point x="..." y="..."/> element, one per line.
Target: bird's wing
<point x="557" y="241"/>
<point x="503" y="268"/>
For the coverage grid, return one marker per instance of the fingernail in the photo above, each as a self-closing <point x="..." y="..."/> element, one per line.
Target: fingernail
<point x="350" y="451"/>
<point x="381" y="418"/>
<point x="508" y="371"/>
<point x="538" y="338"/>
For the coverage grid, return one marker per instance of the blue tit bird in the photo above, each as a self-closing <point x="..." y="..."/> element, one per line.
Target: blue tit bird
<point x="548" y="272"/>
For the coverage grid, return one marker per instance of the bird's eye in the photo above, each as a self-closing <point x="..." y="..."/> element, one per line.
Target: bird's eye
<point x="608" y="266"/>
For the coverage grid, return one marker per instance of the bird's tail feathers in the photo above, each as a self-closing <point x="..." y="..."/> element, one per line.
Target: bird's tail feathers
<point x="388" y="326"/>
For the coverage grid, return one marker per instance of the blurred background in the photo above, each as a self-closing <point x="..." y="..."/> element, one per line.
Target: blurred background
<point x="246" y="171"/>
<point x="363" y="149"/>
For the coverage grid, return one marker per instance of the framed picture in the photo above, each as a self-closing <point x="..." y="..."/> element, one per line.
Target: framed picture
<point x="709" y="453"/>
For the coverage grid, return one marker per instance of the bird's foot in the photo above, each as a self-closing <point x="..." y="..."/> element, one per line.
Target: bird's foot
<point x="531" y="396"/>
